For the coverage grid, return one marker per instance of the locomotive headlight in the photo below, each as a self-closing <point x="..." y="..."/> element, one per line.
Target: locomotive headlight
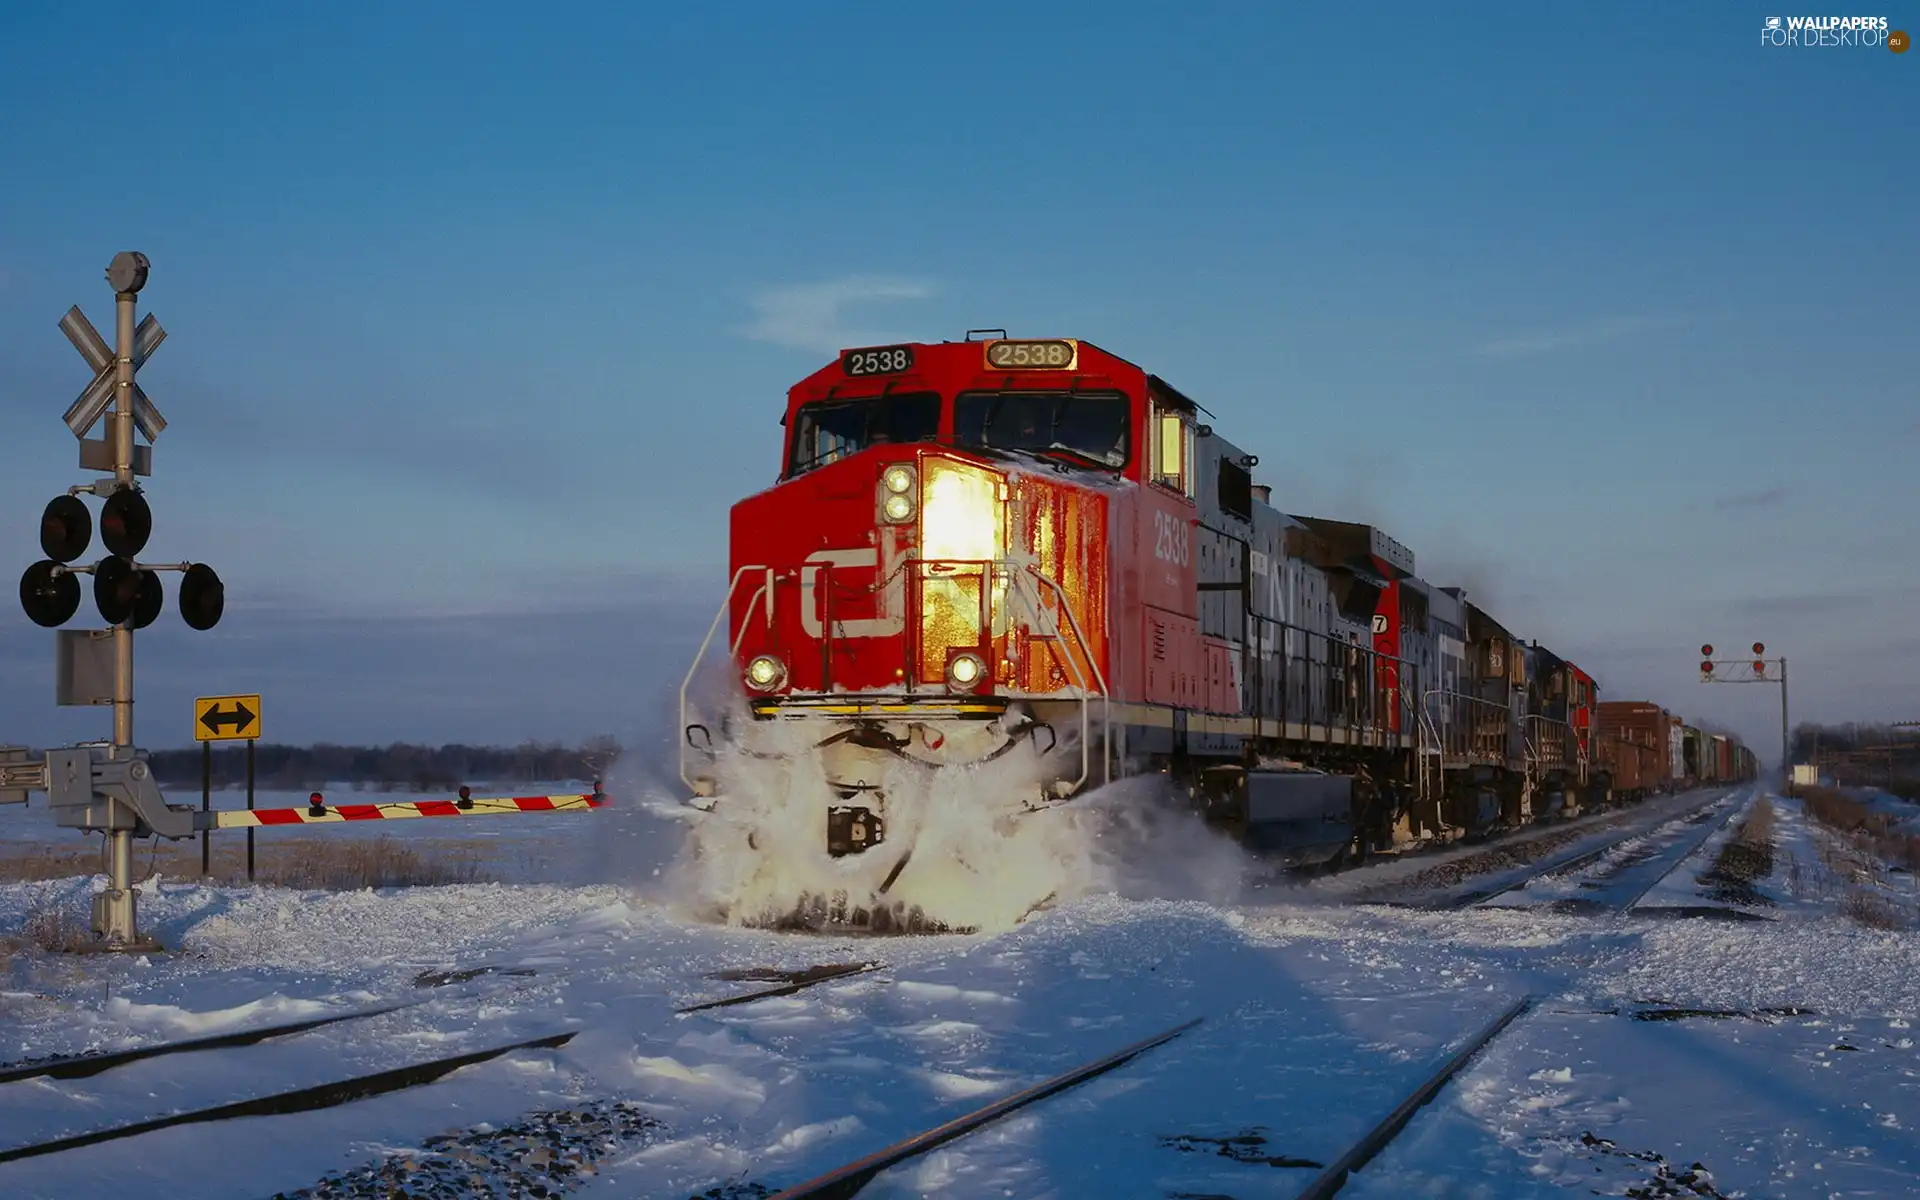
<point x="896" y="494"/>
<point x="961" y="518"/>
<point x="765" y="672"/>
<point x="965" y="670"/>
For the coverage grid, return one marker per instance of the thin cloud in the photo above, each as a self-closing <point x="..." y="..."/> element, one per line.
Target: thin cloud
<point x="1800" y="606"/>
<point x="1571" y="337"/>
<point x="813" y="317"/>
<point x="1756" y="499"/>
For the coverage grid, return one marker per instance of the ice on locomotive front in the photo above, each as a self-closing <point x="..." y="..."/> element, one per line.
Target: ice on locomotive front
<point x="902" y="609"/>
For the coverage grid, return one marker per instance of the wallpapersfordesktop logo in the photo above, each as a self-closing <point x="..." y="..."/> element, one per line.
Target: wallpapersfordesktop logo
<point x="1846" y="32"/>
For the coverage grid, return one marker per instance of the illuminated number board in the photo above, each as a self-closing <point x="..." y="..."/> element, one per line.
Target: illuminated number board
<point x="877" y="360"/>
<point x="1051" y="354"/>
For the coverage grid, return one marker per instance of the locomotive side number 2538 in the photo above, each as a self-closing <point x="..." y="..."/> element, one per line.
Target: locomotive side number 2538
<point x="1172" y="539"/>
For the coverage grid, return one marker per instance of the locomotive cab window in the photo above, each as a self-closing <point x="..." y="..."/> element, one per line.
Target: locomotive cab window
<point x="1087" y="428"/>
<point x="1173" y="452"/>
<point x="828" y="430"/>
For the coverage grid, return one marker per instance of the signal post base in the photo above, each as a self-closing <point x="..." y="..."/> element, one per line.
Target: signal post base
<point x="116" y="915"/>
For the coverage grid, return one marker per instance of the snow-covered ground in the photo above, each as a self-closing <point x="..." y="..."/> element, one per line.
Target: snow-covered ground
<point x="1318" y="1017"/>
<point x="1906" y="813"/>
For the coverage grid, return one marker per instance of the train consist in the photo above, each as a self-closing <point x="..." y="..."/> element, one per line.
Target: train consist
<point x="1644" y="750"/>
<point x="1034" y="547"/>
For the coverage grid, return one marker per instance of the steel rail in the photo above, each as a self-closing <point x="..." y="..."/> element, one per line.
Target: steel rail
<point x="1553" y="866"/>
<point x="847" y="1181"/>
<point x="1376" y="1139"/>
<point x="804" y="979"/>
<point x="1693" y="846"/>
<point x="310" y="1099"/>
<point x="80" y="1066"/>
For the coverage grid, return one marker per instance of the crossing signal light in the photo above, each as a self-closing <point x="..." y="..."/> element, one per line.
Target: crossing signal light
<point x="126" y="523"/>
<point x="117" y="585"/>
<point x="147" y="605"/>
<point x="1706" y="652"/>
<point x="1759" y="648"/>
<point x="50" y="599"/>
<point x="1706" y="668"/>
<point x="66" y="529"/>
<point x="1759" y="668"/>
<point x="202" y="597"/>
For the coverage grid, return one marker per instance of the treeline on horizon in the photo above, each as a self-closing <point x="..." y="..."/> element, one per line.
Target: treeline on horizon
<point x="401" y="766"/>
<point x="1896" y="768"/>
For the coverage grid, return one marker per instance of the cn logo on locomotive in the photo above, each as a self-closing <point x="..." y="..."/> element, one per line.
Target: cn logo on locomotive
<point x="893" y="599"/>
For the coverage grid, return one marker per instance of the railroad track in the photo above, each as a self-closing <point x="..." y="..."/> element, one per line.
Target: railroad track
<point x="345" y="1091"/>
<point x="81" y="1066"/>
<point x="1437" y="873"/>
<point x="299" y="1100"/>
<point x="1690" y="846"/>
<point x="1371" y="1143"/>
<point x="845" y="1182"/>
<point x="1554" y="865"/>
<point x="1629" y="881"/>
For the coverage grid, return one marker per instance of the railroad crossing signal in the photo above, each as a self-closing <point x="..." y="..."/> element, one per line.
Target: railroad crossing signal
<point x="108" y="787"/>
<point x="128" y="593"/>
<point x="98" y="394"/>
<point x="226" y="718"/>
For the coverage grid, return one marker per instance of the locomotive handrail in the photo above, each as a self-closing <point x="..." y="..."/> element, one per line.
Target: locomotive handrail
<point x="1438" y="752"/>
<point x="733" y="585"/>
<point x="1463" y="731"/>
<point x="1542" y="734"/>
<point x="1365" y="708"/>
<point x="1106" y="706"/>
<point x="1426" y="720"/>
<point x="1535" y="723"/>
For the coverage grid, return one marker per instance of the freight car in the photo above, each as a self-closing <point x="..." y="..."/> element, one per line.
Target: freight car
<point x="1635" y="759"/>
<point x="1645" y="750"/>
<point x="1697" y="767"/>
<point x="1035" y="547"/>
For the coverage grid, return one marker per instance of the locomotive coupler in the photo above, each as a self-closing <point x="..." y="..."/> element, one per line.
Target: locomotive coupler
<point x="853" y="829"/>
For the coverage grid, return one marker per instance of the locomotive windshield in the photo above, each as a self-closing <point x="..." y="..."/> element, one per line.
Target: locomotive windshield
<point x="1088" y="427"/>
<point x="833" y="429"/>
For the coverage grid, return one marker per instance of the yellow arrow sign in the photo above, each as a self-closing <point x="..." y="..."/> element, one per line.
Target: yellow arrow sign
<point x="226" y="718"/>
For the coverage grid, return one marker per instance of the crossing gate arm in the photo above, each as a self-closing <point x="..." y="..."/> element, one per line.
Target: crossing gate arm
<point x="333" y="814"/>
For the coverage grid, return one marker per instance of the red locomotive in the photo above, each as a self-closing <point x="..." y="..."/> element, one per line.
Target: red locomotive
<point x="1033" y="546"/>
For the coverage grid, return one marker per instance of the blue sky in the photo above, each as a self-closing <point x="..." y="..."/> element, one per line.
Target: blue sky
<point x="481" y="315"/>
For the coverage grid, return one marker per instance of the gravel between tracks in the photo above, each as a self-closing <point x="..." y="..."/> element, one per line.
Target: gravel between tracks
<point x="1504" y="856"/>
<point x="545" y="1155"/>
